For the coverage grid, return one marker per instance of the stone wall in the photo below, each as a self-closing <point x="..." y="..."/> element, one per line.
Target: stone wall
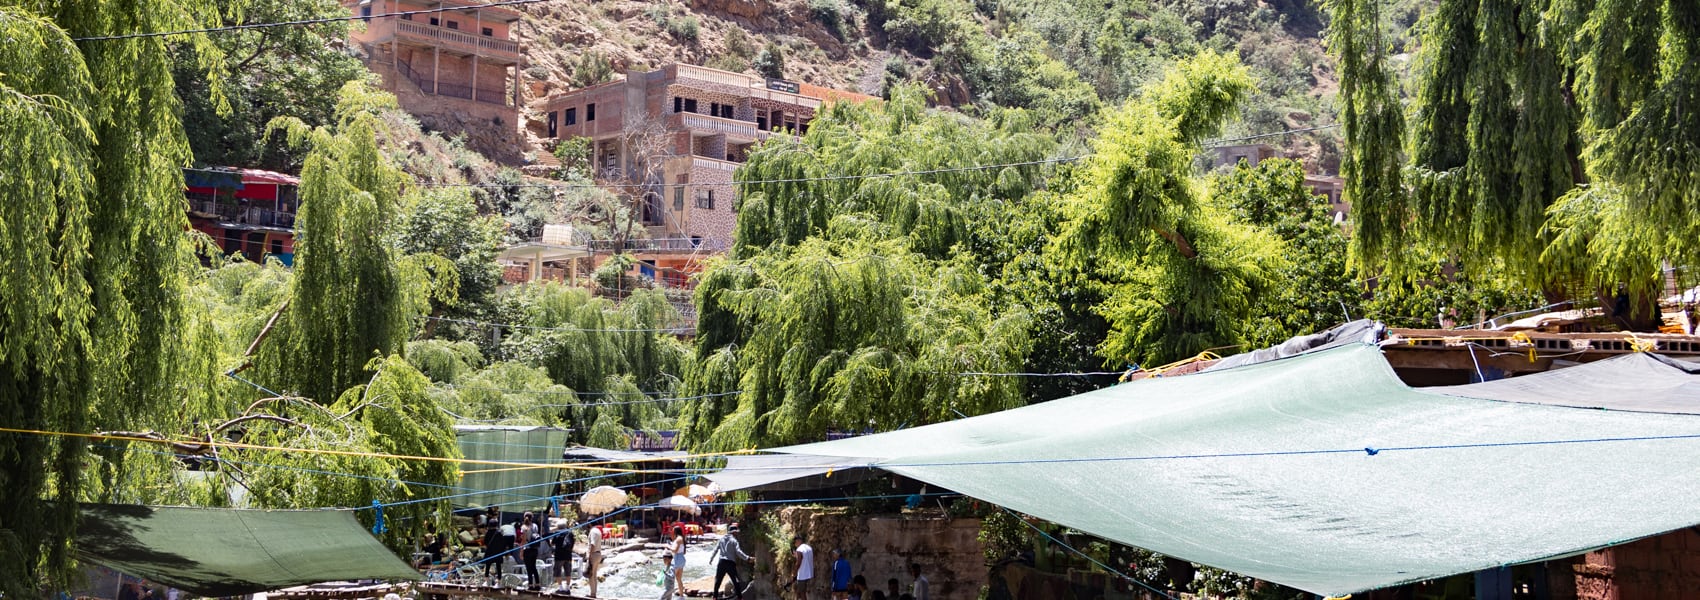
<point x="716" y="223"/>
<point x="879" y="548"/>
<point x="1665" y="566"/>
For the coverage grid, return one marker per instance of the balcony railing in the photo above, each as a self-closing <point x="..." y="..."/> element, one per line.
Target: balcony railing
<point x="246" y="215"/>
<point x="453" y="90"/>
<point x="703" y="123"/>
<point x="660" y="245"/>
<point x="460" y="40"/>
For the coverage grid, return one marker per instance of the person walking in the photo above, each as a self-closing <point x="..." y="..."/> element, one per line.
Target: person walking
<point x="526" y="537"/>
<point x="840" y="575"/>
<point x="728" y="551"/>
<point x="593" y="558"/>
<point x="677" y="547"/>
<point x="805" y="557"/>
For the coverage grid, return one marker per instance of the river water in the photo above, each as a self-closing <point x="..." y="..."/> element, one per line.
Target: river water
<point x="636" y="575"/>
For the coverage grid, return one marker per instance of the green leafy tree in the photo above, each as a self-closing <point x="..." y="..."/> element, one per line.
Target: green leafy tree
<point x="770" y="62"/>
<point x="96" y="332"/>
<point x="444" y="222"/>
<point x="1374" y="125"/>
<point x="1546" y="137"/>
<point x="1187" y="275"/>
<point x="1317" y="291"/>
<point x="351" y="300"/>
<point x="853" y="303"/>
<point x="273" y="72"/>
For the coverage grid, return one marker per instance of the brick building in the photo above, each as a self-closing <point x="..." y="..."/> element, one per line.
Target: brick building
<point x="462" y="63"/>
<point x="707" y="121"/>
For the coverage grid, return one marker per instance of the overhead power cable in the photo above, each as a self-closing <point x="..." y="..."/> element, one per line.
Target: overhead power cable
<point x="567" y="328"/>
<point x="305" y="22"/>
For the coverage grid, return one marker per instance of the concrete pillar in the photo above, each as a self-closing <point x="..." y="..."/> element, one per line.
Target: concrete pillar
<point x="536" y="265"/>
<point x="474" y="77"/>
<point x="436" y="57"/>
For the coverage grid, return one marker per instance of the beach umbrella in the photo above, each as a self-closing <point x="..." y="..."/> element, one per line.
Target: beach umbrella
<point x="697" y="492"/>
<point x="679" y="503"/>
<point x="601" y="500"/>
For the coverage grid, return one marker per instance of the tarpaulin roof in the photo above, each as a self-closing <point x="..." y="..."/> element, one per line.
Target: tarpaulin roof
<point x="1320" y="471"/>
<point x="788" y="472"/>
<point x="1637" y="382"/>
<point x="589" y="454"/>
<point x="228" y="552"/>
<point x="508" y="485"/>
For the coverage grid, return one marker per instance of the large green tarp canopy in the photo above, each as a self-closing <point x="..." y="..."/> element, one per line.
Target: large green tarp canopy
<point x="1262" y="469"/>
<point x="228" y="552"/>
<point x="507" y="486"/>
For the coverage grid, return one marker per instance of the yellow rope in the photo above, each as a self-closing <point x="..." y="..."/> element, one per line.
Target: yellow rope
<point x="594" y="466"/>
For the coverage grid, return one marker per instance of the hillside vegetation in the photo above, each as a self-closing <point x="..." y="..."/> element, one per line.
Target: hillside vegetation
<point x="1063" y="60"/>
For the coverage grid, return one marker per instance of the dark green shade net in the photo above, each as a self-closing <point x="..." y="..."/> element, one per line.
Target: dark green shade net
<point x="1261" y="469"/>
<point x="227" y="552"/>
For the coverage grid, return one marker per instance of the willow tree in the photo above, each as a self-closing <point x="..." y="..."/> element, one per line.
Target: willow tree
<point x="1372" y="164"/>
<point x="94" y="334"/>
<point x="608" y="357"/>
<point x="1189" y="275"/>
<point x="1548" y="141"/>
<point x="351" y="300"/>
<point x="855" y="303"/>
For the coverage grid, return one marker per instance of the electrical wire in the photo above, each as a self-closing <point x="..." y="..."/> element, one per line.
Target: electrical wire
<point x="1223" y="142"/>
<point x="565" y="328"/>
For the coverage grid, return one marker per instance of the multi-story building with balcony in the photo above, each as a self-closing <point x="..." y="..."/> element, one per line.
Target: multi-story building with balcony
<point x="460" y="61"/>
<point x="246" y="211"/>
<point x="708" y="121"/>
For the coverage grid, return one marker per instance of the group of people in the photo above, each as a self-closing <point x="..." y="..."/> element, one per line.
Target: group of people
<point x="527" y="541"/>
<point x="845" y="584"/>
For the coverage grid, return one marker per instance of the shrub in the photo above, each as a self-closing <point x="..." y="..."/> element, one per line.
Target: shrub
<point x="684" y="29"/>
<point x="830" y="14"/>
<point x="770" y="62"/>
<point x="592" y="68"/>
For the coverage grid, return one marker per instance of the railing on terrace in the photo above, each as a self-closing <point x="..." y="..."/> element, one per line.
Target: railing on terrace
<point x="706" y="123"/>
<point x="246" y="215"/>
<point x="406" y="70"/>
<point x="454" y="90"/>
<point x="660" y="245"/>
<point x="456" y="38"/>
<point x="493" y="96"/>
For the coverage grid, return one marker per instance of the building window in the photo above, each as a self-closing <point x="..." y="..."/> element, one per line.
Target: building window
<point x="366" y="13"/>
<point x="678" y="104"/>
<point x="696" y="241"/>
<point x="705" y="199"/>
<point x="277" y="246"/>
<point x="725" y="111"/>
<point x="678" y="198"/>
<point x="761" y="121"/>
<point x="406" y="17"/>
<point x="553" y="129"/>
<point x="454" y="25"/>
<point x="714" y="109"/>
<point x="690" y="105"/>
<point x="778" y="120"/>
<point x="590" y="112"/>
<point x="572" y="116"/>
<point x="434" y="22"/>
<point x="488" y="32"/>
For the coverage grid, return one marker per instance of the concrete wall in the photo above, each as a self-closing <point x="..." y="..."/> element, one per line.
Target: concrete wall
<point x="881" y="547"/>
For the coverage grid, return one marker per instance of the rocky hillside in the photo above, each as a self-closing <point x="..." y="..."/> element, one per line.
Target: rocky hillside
<point x="1060" y="59"/>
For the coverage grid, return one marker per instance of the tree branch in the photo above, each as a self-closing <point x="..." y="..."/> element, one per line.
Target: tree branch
<point x="1179" y="241"/>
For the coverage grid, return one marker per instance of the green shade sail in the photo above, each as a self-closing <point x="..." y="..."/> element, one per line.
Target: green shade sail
<point x="507" y="487"/>
<point x="1263" y="470"/>
<point x="228" y="552"/>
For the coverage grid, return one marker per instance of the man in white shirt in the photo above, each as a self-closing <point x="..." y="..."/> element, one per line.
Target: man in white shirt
<point x="593" y="558"/>
<point x="805" y="557"/>
<point x="923" y="588"/>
